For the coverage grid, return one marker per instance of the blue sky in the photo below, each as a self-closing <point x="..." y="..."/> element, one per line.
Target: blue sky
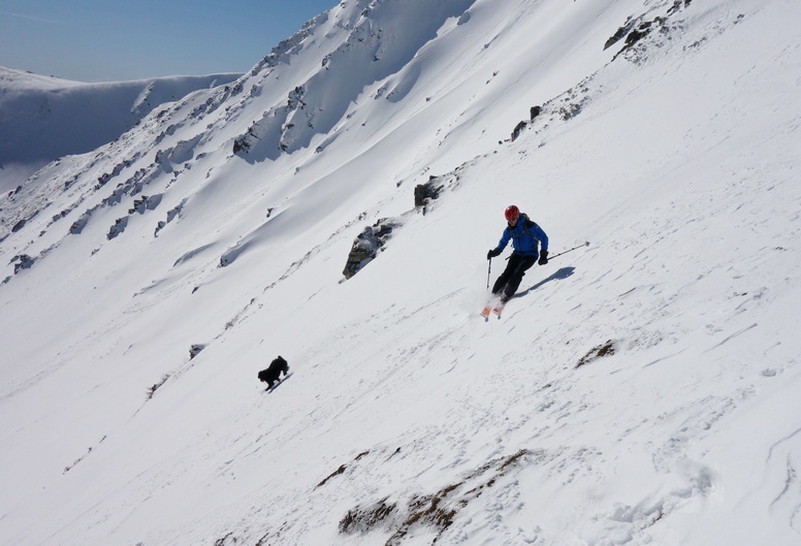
<point x="114" y="40"/>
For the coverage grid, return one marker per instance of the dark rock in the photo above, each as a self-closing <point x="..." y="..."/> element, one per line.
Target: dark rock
<point x="23" y="262"/>
<point x="19" y="225"/>
<point x="77" y="226"/>
<point x="367" y="245"/>
<point x="638" y="33"/>
<point x="195" y="349"/>
<point x="424" y="193"/>
<point x="605" y="349"/>
<point x="241" y="144"/>
<point x="118" y="227"/>
<point x="617" y="36"/>
<point x="517" y="130"/>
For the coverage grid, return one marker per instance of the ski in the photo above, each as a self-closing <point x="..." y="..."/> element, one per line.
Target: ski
<point x="492" y="305"/>
<point x="278" y="383"/>
<point x="498" y="309"/>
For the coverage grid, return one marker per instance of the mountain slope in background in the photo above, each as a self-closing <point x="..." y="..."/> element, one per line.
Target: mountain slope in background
<point x="45" y="118"/>
<point x="641" y="389"/>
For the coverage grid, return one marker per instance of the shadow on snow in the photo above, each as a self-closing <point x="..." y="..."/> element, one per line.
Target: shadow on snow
<point x="563" y="273"/>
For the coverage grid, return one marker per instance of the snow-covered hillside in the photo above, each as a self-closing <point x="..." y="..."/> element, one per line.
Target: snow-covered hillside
<point x="641" y="389"/>
<point x="45" y="118"/>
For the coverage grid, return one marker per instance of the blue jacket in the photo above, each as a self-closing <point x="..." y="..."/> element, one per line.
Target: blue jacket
<point x="525" y="236"/>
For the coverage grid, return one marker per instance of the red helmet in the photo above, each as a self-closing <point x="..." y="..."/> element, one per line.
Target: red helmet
<point x="511" y="213"/>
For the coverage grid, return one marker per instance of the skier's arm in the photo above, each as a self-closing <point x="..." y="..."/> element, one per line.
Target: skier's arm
<point x="504" y="240"/>
<point x="537" y="232"/>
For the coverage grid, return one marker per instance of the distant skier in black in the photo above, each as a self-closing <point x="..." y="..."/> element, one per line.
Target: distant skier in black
<point x="271" y="375"/>
<point x="526" y="238"/>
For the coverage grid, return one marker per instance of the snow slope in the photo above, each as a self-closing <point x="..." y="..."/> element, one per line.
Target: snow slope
<point x="44" y="118"/>
<point x="639" y="390"/>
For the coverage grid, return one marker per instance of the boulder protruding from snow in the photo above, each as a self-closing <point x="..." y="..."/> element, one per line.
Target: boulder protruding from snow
<point x="22" y="261"/>
<point x="424" y="193"/>
<point x="195" y="349"/>
<point x="367" y="245"/>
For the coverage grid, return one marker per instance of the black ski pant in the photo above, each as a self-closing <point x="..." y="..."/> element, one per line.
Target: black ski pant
<point x="510" y="279"/>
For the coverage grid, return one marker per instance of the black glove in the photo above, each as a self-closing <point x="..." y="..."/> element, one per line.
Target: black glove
<point x="543" y="257"/>
<point x="492" y="253"/>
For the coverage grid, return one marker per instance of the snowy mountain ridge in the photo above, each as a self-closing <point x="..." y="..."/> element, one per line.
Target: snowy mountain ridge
<point x="45" y="118"/>
<point x="629" y="394"/>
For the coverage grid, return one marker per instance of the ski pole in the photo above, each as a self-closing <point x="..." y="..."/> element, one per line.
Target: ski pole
<point x="587" y="243"/>
<point x="489" y="269"/>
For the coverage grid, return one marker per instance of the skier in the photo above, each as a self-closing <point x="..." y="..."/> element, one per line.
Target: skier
<point x="526" y="237"/>
<point x="272" y="374"/>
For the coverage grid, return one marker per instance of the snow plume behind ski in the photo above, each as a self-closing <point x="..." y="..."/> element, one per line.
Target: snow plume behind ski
<point x="640" y="390"/>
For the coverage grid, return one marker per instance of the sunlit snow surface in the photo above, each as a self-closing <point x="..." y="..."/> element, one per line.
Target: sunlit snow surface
<point x="643" y="389"/>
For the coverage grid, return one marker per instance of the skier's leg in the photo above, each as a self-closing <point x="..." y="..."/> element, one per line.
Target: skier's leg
<point x="499" y="284"/>
<point x="504" y="277"/>
<point x="516" y="276"/>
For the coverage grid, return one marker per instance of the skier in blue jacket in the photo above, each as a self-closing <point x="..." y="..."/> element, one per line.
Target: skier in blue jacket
<point x="526" y="238"/>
